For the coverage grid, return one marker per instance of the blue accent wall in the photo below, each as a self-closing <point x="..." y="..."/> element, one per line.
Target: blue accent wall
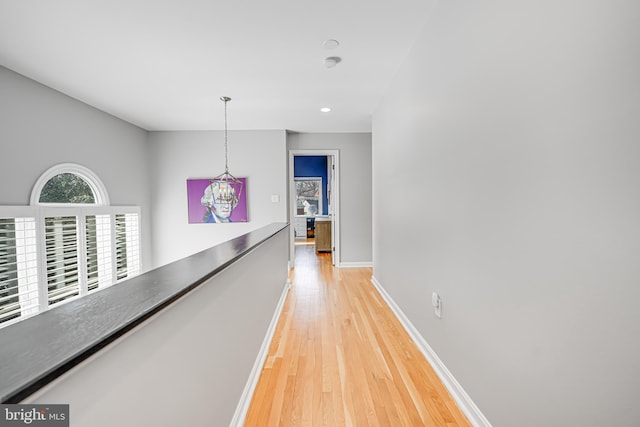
<point x="313" y="166"/>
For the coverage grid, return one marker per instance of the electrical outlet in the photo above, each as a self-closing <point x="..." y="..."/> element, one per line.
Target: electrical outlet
<point x="436" y="302"/>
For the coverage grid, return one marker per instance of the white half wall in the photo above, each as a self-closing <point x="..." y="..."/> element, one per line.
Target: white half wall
<point x="355" y="188"/>
<point x="260" y="156"/>
<point x="41" y="127"/>
<point x="514" y="127"/>
<point x="189" y="364"/>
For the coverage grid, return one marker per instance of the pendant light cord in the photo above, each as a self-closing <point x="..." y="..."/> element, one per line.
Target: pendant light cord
<point x="226" y="157"/>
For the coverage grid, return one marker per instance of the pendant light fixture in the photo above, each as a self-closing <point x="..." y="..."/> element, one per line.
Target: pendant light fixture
<point x="225" y="188"/>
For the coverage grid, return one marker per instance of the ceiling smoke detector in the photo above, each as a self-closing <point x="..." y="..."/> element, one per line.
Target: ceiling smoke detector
<point x="332" y="61"/>
<point x="331" y="44"/>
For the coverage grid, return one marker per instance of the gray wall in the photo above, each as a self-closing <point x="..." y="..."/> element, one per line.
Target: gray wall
<point x="514" y="128"/>
<point x="355" y="187"/>
<point x="260" y="156"/>
<point x="40" y="127"/>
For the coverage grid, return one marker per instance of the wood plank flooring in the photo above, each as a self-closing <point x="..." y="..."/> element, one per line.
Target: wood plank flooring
<point x="340" y="357"/>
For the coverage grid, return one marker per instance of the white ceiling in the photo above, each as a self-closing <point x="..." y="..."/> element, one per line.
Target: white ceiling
<point x="163" y="64"/>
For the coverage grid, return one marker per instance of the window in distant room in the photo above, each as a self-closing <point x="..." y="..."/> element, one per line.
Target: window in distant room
<point x="308" y="196"/>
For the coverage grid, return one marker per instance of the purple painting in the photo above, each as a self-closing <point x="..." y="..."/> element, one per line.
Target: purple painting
<point x="202" y="208"/>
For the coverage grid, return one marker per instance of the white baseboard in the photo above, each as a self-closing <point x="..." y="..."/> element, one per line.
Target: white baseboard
<point x="466" y="405"/>
<point x="247" y="394"/>
<point x="355" y="264"/>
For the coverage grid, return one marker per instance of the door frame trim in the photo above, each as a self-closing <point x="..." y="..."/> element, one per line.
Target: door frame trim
<point x="336" y="201"/>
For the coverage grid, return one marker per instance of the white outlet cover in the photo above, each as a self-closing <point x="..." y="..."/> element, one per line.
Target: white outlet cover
<point x="436" y="301"/>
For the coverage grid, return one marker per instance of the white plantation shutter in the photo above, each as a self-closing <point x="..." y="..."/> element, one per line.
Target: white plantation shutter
<point x="61" y="255"/>
<point x="9" y="302"/>
<point x="27" y="250"/>
<point x="133" y="243"/>
<point x="92" y="253"/>
<point x="127" y="245"/>
<point x="98" y="250"/>
<point x="18" y="268"/>
<point x="53" y="254"/>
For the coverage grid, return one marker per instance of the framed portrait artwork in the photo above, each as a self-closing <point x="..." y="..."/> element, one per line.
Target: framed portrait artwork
<point x="204" y="209"/>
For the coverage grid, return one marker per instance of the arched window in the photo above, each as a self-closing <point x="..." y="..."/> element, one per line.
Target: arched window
<point x="67" y="188"/>
<point x="69" y="183"/>
<point x="68" y="243"/>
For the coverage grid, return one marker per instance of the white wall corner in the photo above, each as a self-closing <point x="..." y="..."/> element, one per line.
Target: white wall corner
<point x="467" y="406"/>
<point x="247" y="394"/>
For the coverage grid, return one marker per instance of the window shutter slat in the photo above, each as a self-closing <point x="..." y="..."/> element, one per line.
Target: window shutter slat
<point x="127" y="245"/>
<point x="61" y="237"/>
<point x="98" y="231"/>
<point x="18" y="268"/>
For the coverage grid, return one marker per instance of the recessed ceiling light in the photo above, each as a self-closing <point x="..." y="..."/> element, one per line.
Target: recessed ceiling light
<point x="325" y="109"/>
<point x="331" y="44"/>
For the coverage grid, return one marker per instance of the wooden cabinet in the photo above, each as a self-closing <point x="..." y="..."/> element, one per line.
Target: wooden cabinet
<point x="323" y="235"/>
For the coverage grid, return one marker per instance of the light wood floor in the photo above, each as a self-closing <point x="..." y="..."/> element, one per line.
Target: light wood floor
<point x="340" y="357"/>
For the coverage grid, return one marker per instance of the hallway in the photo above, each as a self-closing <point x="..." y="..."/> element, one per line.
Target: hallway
<point x="339" y="357"/>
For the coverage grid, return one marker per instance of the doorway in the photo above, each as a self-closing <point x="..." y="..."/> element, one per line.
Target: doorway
<point x="309" y="211"/>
